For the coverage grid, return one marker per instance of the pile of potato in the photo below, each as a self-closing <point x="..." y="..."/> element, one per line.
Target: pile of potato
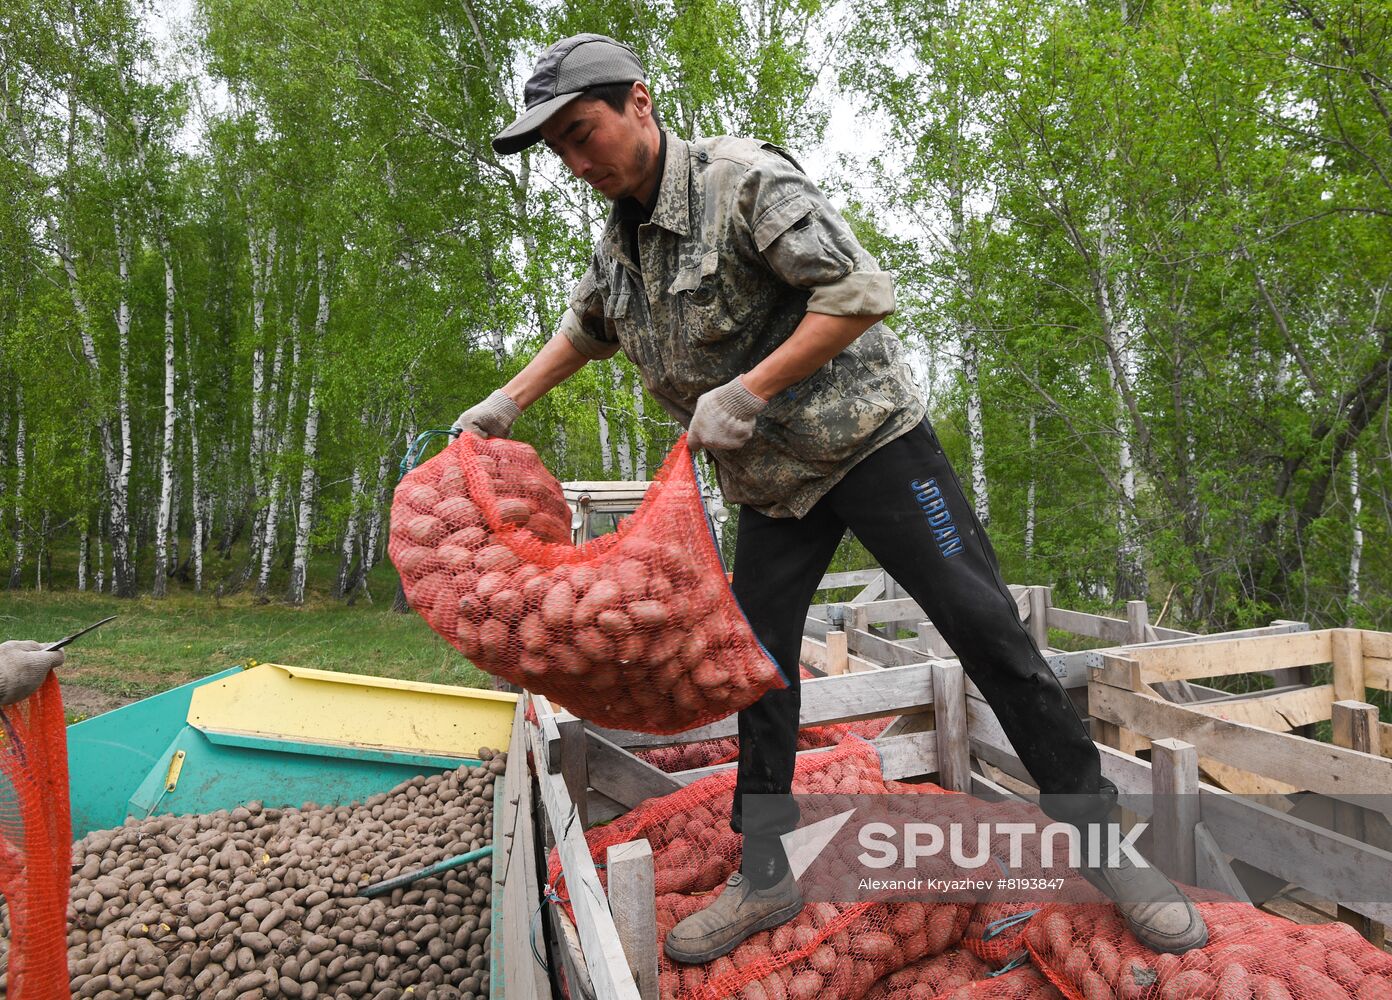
<point x="261" y="902"/>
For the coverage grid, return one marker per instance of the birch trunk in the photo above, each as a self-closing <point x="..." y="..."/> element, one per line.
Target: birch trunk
<point x="976" y="431"/>
<point x="21" y="471"/>
<point x="196" y="499"/>
<point x="640" y="451"/>
<point x="262" y="256"/>
<point x="372" y="536"/>
<point x="122" y="559"/>
<point x="82" y="545"/>
<point x="350" y="530"/>
<point x="166" y="498"/>
<point x="101" y="557"/>
<point x="966" y="331"/>
<point x="1030" y="495"/>
<point x="115" y="452"/>
<point x="606" y="459"/>
<point x="1113" y="310"/>
<point x="1356" y="555"/>
<point x="311" y="439"/>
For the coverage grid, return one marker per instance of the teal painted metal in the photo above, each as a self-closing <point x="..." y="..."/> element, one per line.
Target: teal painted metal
<point x="278" y="773"/>
<point x="109" y="756"/>
<point x="419" y="761"/>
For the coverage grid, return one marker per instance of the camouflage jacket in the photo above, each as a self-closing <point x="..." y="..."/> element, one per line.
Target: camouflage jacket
<point x="740" y="247"/>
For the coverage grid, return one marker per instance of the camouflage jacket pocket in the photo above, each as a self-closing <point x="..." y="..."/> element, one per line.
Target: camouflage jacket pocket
<point x="825" y="418"/>
<point x="701" y="303"/>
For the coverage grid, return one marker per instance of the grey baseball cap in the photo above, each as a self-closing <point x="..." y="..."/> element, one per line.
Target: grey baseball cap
<point x="563" y="73"/>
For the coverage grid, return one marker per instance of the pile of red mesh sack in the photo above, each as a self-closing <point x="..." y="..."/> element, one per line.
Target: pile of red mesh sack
<point x="996" y="949"/>
<point x="1089" y="952"/>
<point x="35" y="844"/>
<point x="633" y="630"/>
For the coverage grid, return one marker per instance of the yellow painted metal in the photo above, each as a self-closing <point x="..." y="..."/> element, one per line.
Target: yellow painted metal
<point x="353" y="710"/>
<point x="176" y="765"/>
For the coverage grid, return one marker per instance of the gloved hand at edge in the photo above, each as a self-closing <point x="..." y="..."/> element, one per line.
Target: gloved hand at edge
<point x="724" y="417"/>
<point x="491" y="418"/>
<point x="24" y="665"/>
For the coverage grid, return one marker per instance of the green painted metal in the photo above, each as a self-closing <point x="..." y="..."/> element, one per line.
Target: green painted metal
<point x="109" y="755"/>
<point x="278" y="773"/>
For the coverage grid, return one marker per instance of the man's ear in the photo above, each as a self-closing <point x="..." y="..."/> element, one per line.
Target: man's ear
<point x="642" y="100"/>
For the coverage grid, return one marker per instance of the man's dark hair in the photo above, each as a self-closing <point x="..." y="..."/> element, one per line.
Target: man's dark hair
<point x="616" y="96"/>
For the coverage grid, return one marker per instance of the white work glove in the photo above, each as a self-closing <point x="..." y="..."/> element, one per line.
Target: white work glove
<point x="491" y="418"/>
<point x="24" y="665"/>
<point x="724" y="417"/>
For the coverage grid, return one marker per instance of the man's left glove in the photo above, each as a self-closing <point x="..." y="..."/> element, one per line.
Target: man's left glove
<point x="24" y="665"/>
<point x="724" y="417"/>
<point x="491" y="418"/>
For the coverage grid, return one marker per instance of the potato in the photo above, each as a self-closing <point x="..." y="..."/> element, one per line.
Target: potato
<point x="514" y="511"/>
<point x="417" y="495"/>
<point x="558" y="607"/>
<point x="602" y="596"/>
<point x="649" y="614"/>
<point x="458" y="512"/>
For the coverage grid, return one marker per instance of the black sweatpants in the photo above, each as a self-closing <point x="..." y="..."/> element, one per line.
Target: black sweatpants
<point x="906" y="505"/>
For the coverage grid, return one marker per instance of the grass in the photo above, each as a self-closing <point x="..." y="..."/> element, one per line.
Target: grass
<point x="158" y="644"/>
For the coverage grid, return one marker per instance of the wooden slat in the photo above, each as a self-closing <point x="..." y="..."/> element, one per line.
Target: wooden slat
<point x="877" y="649"/>
<point x="1278" y="712"/>
<point x="1111" y="630"/>
<point x="950" y="714"/>
<point x="1322" y="861"/>
<point x="867" y="695"/>
<point x="1377" y="644"/>
<point x="1312" y="766"/>
<point x="621" y="776"/>
<point x="1346" y="652"/>
<point x="1038" y="620"/>
<point x="1212" y="870"/>
<point x="515" y="881"/>
<point x="1238" y="656"/>
<point x="634" y="905"/>
<point x="1377" y="672"/>
<point x="599" y="939"/>
<point x="853" y="578"/>
<point x="1174" y="773"/>
<point x="815" y="654"/>
<point x="908" y="756"/>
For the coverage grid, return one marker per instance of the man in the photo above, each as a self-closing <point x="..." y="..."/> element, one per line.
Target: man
<point x="753" y="315"/>
<point x="24" y="666"/>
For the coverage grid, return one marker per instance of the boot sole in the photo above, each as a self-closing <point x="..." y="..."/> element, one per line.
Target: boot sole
<point x="699" y="958"/>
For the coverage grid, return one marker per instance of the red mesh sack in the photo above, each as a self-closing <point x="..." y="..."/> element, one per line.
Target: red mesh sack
<point x="633" y="630"/>
<point x="829" y="950"/>
<point x="1024" y="983"/>
<point x="928" y="977"/>
<point x="1087" y="951"/>
<point x="35" y="844"/>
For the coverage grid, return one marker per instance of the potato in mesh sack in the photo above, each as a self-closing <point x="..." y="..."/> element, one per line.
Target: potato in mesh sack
<point x="633" y="630"/>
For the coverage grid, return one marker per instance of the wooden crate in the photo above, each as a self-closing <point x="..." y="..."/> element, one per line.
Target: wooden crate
<point x="1209" y="837"/>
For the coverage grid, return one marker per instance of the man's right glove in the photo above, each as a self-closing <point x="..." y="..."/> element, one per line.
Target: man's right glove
<point x="491" y="418"/>
<point x="24" y="665"/>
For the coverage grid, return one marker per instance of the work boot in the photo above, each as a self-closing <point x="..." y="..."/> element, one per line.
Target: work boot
<point x="1161" y="917"/>
<point x="738" y="912"/>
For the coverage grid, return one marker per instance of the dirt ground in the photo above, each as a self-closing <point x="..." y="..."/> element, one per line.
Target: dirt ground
<point x="83" y="702"/>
